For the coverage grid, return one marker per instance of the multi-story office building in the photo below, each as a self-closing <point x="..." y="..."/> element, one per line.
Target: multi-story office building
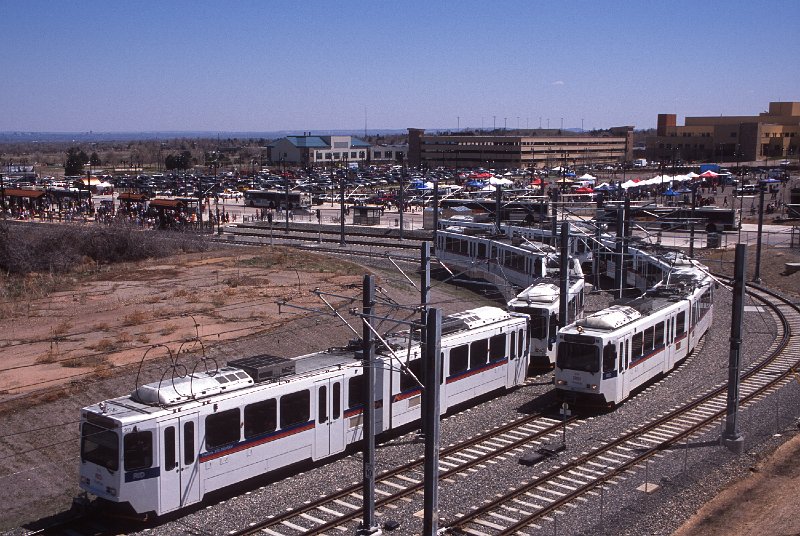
<point x="769" y="135"/>
<point x="519" y="150"/>
<point x="310" y="150"/>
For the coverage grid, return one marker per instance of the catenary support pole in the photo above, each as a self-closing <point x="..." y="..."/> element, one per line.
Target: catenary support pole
<point x="691" y="222"/>
<point x="498" y="206"/>
<point x="433" y="337"/>
<point x="341" y="211"/>
<point x="731" y="438"/>
<point x="368" y="351"/>
<point x="618" y="258"/>
<point x="401" y="202"/>
<point x="435" y="210"/>
<point x="757" y="271"/>
<point x="563" y="294"/>
<point x="424" y="299"/>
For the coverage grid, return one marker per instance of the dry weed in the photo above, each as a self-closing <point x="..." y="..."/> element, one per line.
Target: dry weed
<point x="94" y="361"/>
<point x="135" y="318"/>
<point x="169" y="329"/>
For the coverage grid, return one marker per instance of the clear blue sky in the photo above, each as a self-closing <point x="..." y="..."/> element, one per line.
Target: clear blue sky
<point x="310" y="65"/>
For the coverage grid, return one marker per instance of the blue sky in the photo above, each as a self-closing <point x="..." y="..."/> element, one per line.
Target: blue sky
<point x="312" y="65"/>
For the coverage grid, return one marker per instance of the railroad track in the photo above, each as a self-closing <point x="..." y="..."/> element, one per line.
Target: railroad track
<point x="342" y="510"/>
<point x="527" y="507"/>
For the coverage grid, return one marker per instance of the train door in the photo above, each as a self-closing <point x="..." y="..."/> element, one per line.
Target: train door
<point x="329" y="430"/>
<point x="180" y="477"/>
<point x="624" y="361"/>
<point x="518" y="358"/>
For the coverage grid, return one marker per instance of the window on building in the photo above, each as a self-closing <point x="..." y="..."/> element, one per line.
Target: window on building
<point x="353" y="154"/>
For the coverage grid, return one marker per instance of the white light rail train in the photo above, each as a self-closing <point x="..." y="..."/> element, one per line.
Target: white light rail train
<point x="605" y="356"/>
<point x="170" y="443"/>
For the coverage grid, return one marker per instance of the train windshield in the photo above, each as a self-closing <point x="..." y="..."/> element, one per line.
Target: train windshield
<point x="539" y="325"/>
<point x="100" y="446"/>
<point x="578" y="356"/>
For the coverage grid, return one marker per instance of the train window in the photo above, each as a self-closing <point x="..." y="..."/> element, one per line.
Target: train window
<point x="188" y="443"/>
<point x="481" y="250"/>
<point x="513" y="345"/>
<point x="322" y="404"/>
<point x="521" y="343"/>
<point x="621" y="355"/>
<point x="636" y="351"/>
<point x="680" y="327"/>
<point x="222" y="428"/>
<point x="659" y="336"/>
<point x="669" y="330"/>
<point x="100" y="446"/>
<point x="609" y="357"/>
<point x="497" y="347"/>
<point x="407" y="382"/>
<point x="648" y="339"/>
<point x="356" y="391"/>
<point x="459" y="359"/>
<point x="571" y="310"/>
<point x="477" y="353"/>
<point x="138" y="450"/>
<point x="337" y="400"/>
<point x="538" y="327"/>
<point x="627" y="354"/>
<point x="553" y="329"/>
<point x="295" y="408"/>
<point x="260" y="418"/>
<point x="441" y="367"/>
<point x="169" y="449"/>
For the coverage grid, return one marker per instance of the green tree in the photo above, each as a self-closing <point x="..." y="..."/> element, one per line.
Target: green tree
<point x="75" y="162"/>
<point x="94" y="160"/>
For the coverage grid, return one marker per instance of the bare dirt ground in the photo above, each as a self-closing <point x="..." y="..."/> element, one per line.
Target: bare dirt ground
<point x="85" y="343"/>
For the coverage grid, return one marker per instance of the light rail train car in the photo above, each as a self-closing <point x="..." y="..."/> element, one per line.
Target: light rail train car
<point x="541" y="302"/>
<point x="605" y="356"/>
<point x="170" y="443"/>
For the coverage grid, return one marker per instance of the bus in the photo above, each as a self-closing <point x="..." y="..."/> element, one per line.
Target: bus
<point x="276" y="199"/>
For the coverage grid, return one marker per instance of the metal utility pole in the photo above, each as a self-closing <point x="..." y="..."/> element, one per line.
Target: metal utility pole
<point x="286" y="200"/>
<point x="498" y="204"/>
<point x="401" y="200"/>
<point x="731" y="438"/>
<point x="424" y="299"/>
<point x="341" y="212"/>
<point x="367" y="359"/>
<point x="435" y="210"/>
<point x="563" y="293"/>
<point x="433" y="371"/>
<point x="619" y="252"/>
<point x="757" y="271"/>
<point x="691" y="223"/>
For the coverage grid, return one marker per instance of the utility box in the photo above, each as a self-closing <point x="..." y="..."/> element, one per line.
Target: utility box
<point x="264" y="367"/>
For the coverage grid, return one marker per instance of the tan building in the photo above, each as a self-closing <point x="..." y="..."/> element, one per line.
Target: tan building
<point x="770" y="135"/>
<point x="518" y="151"/>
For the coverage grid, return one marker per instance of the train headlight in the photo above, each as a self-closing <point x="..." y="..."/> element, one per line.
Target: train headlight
<point x="594" y="387"/>
<point x="561" y="382"/>
<point x="111" y="491"/>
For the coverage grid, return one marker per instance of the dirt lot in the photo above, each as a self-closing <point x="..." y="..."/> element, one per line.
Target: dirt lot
<point x="84" y="343"/>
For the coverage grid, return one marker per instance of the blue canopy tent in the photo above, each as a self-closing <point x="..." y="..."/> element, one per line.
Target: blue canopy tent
<point x="671" y="193"/>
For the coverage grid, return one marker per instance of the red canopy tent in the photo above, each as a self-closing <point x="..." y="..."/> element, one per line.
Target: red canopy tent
<point x="583" y="190"/>
<point x="708" y="174"/>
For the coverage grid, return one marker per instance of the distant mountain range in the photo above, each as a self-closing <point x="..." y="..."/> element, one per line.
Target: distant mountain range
<point x="84" y="137"/>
